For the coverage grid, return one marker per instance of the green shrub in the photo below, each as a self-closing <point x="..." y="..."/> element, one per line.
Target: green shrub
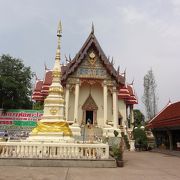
<point x="117" y="152"/>
<point x="140" y="138"/>
<point x="126" y="140"/>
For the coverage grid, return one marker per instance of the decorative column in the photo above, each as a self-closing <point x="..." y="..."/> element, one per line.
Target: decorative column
<point x="105" y="102"/>
<point x="67" y="101"/>
<point x="131" y="116"/>
<point x="170" y="140"/>
<point x="76" y="103"/>
<point x="115" y="110"/>
<point x="95" y="117"/>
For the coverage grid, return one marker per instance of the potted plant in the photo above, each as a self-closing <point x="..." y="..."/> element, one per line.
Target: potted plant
<point x="117" y="151"/>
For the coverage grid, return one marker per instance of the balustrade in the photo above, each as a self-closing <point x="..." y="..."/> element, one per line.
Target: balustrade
<point x="53" y="150"/>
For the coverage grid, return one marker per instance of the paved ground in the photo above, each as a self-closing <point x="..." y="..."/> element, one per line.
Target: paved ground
<point x="164" y="151"/>
<point x="138" y="166"/>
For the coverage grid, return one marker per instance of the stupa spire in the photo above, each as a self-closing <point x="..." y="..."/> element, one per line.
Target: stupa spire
<point x="59" y="33"/>
<point x="53" y="119"/>
<point x="58" y="53"/>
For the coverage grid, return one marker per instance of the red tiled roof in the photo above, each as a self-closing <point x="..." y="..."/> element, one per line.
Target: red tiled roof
<point x="127" y="93"/>
<point x="168" y="117"/>
<point x="37" y="95"/>
<point x="123" y="93"/>
<point x="48" y="77"/>
<point x="47" y="82"/>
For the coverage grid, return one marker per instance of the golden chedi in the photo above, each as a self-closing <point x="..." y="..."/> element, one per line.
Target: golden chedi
<point x="53" y="119"/>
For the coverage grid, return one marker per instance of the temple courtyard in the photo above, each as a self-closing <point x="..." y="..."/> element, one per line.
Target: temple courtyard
<point x="138" y="165"/>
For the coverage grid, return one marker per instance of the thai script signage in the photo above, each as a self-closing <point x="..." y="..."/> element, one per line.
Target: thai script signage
<point x="19" y="119"/>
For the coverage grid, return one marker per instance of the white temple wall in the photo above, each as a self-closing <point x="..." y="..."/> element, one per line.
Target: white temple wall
<point x="83" y="95"/>
<point x="122" y="110"/>
<point x="97" y="95"/>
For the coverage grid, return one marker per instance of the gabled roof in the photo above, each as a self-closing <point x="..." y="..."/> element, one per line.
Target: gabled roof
<point x="168" y="117"/>
<point x="91" y="41"/>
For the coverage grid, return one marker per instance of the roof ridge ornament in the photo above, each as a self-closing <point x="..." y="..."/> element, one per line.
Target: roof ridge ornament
<point x="132" y="83"/>
<point x="36" y="77"/>
<point x="169" y="103"/>
<point x="118" y="70"/>
<point x="92" y="28"/>
<point x="45" y="67"/>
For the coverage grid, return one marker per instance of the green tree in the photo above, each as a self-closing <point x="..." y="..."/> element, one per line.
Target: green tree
<point x="15" y="83"/>
<point x="150" y="95"/>
<point x="138" y="118"/>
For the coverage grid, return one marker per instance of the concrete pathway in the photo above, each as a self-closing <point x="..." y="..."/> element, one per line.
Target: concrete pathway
<point x="168" y="152"/>
<point x="138" y="166"/>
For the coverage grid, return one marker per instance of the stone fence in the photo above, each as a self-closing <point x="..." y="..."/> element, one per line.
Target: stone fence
<point x="53" y="150"/>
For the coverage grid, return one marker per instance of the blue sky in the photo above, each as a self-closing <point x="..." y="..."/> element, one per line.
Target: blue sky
<point x="139" y="34"/>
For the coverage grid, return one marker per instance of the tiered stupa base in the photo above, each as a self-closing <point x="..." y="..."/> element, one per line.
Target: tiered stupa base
<point x="51" y="132"/>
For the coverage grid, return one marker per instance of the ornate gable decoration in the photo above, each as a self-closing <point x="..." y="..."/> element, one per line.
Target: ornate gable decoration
<point x="92" y="58"/>
<point x="91" y="67"/>
<point x="89" y="104"/>
<point x="91" y="62"/>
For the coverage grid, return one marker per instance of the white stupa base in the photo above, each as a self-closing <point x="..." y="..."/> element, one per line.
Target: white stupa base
<point x="50" y="137"/>
<point x="109" y="131"/>
<point x="76" y="130"/>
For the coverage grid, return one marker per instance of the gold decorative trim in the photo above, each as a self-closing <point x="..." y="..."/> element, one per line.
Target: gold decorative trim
<point x="56" y="73"/>
<point x="92" y="58"/>
<point x="56" y="89"/>
<point x="53" y="111"/>
<point x="54" y="101"/>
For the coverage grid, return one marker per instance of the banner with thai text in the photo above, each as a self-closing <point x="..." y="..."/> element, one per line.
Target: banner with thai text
<point x="19" y="119"/>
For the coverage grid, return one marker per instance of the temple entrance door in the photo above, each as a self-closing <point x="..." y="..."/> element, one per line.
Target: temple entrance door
<point x="89" y="117"/>
<point x="89" y="111"/>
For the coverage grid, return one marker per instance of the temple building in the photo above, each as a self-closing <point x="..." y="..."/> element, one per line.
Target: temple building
<point x="166" y="127"/>
<point x="94" y="91"/>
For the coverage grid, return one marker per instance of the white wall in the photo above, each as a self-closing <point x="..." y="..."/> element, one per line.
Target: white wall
<point x="122" y="110"/>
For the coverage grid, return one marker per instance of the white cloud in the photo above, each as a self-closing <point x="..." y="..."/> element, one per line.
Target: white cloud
<point x="175" y="7"/>
<point x="132" y="15"/>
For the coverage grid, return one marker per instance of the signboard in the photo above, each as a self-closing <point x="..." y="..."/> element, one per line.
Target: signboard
<point x="19" y="119"/>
